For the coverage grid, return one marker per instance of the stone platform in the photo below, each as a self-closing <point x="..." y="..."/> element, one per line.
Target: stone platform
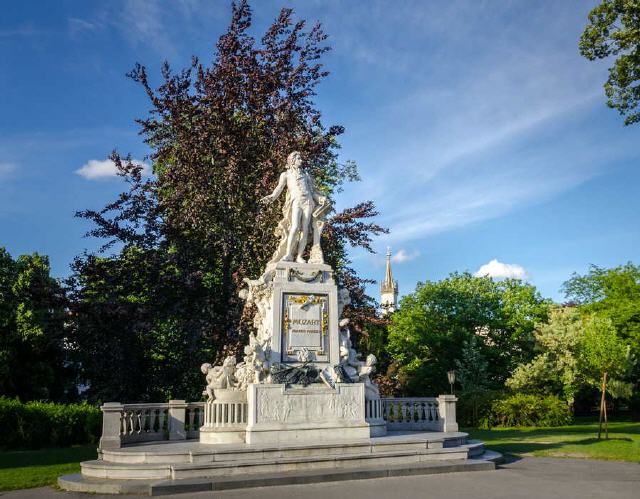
<point x="173" y="467"/>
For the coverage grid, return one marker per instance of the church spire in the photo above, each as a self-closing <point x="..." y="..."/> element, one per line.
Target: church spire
<point x="388" y="289"/>
<point x="387" y="284"/>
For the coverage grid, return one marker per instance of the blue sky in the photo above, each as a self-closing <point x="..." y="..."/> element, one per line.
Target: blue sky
<point x="480" y="132"/>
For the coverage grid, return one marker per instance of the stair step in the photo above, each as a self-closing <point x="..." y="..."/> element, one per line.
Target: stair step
<point x="81" y="483"/>
<point x="134" y="471"/>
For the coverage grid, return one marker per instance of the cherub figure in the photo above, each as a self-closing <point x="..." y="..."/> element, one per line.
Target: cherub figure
<point x="365" y="371"/>
<point x="219" y="377"/>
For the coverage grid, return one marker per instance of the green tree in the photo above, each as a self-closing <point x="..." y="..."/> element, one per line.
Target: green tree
<point x="472" y="373"/>
<point x="219" y="134"/>
<point x="427" y="332"/>
<point x="555" y="368"/>
<point x="603" y="356"/>
<point x="614" y="31"/>
<point x="613" y="294"/>
<point x="33" y="359"/>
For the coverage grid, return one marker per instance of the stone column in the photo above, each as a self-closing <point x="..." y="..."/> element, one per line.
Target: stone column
<point x="177" y="415"/>
<point x="447" y="412"/>
<point x="111" y="424"/>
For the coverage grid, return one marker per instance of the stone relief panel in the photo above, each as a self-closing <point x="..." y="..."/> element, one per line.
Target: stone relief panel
<point x="274" y="406"/>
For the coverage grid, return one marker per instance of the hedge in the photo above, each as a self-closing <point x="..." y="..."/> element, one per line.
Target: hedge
<point x="43" y="424"/>
<point x="523" y="409"/>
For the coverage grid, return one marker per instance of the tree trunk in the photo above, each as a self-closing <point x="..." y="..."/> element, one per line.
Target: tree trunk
<point x="603" y="407"/>
<point x="606" y="422"/>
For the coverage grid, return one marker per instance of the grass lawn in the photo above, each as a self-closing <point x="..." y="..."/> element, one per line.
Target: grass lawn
<point x="24" y="469"/>
<point x="579" y="440"/>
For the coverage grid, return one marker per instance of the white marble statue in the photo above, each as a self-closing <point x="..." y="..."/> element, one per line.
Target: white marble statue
<point x="365" y="371"/>
<point x="344" y="299"/>
<point x="220" y="377"/>
<point x="305" y="209"/>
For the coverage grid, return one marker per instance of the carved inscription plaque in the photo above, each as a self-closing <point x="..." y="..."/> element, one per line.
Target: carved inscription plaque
<point x="305" y="324"/>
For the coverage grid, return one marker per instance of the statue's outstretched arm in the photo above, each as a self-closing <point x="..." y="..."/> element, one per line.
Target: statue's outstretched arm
<point x="277" y="191"/>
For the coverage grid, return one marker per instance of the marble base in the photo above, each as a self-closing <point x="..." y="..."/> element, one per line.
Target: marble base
<point x="296" y="414"/>
<point x="221" y="435"/>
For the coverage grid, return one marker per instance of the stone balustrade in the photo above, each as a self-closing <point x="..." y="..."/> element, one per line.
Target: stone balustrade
<point x="221" y="413"/>
<point x="124" y="424"/>
<point x="132" y="423"/>
<point x="420" y="413"/>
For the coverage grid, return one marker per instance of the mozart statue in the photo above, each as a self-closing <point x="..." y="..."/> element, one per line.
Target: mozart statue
<point x="305" y="209"/>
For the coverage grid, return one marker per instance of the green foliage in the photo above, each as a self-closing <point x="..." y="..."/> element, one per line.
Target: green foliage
<point x="473" y="378"/>
<point x="42" y="424"/>
<point x="474" y="407"/>
<point x="614" y="30"/>
<point x="139" y="333"/>
<point x="612" y="294"/>
<point x="574" y="353"/>
<point x="555" y="368"/>
<point x="472" y="367"/>
<point x="426" y="333"/>
<point x="32" y="331"/>
<point x="602" y="351"/>
<point x="523" y="409"/>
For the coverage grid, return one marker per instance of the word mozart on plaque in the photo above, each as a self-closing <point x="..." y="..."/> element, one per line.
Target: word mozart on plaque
<point x="305" y="325"/>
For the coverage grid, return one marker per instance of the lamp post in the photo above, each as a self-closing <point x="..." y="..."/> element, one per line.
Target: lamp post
<point x="451" y="376"/>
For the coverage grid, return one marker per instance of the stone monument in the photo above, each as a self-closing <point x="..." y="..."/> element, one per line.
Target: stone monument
<point x="300" y="379"/>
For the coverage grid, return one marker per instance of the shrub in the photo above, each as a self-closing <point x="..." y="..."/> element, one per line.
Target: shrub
<point x="474" y="407"/>
<point x="523" y="409"/>
<point x="42" y="424"/>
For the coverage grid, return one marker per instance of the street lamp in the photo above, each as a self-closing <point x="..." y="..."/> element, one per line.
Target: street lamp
<point x="451" y="376"/>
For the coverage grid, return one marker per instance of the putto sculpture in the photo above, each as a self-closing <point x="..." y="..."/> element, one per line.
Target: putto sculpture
<point x="305" y="209"/>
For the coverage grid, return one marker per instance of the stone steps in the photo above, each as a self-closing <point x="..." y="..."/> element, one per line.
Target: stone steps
<point x="259" y="464"/>
<point x="159" y="454"/>
<point x="153" y="487"/>
<point x="475" y="448"/>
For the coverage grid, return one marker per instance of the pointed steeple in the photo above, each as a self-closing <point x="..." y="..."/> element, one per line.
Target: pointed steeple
<point x="388" y="283"/>
<point x="388" y="289"/>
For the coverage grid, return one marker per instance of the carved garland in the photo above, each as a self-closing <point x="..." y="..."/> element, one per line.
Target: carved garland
<point x="305" y="277"/>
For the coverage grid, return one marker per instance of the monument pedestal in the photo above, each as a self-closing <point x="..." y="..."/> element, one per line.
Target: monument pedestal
<point x="316" y="413"/>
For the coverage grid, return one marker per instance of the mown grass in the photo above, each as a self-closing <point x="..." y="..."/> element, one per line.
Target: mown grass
<point x="579" y="440"/>
<point x="25" y="469"/>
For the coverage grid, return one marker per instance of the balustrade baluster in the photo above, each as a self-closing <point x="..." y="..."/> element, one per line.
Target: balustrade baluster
<point x="162" y="416"/>
<point x="192" y="417"/>
<point x="130" y="423"/>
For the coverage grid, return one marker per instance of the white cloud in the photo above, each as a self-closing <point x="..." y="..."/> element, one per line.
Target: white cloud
<point x="402" y="256"/>
<point x="499" y="270"/>
<point x="77" y="25"/>
<point x="97" y="169"/>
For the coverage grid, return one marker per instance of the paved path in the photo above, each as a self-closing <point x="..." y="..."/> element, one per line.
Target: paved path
<point x="527" y="478"/>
